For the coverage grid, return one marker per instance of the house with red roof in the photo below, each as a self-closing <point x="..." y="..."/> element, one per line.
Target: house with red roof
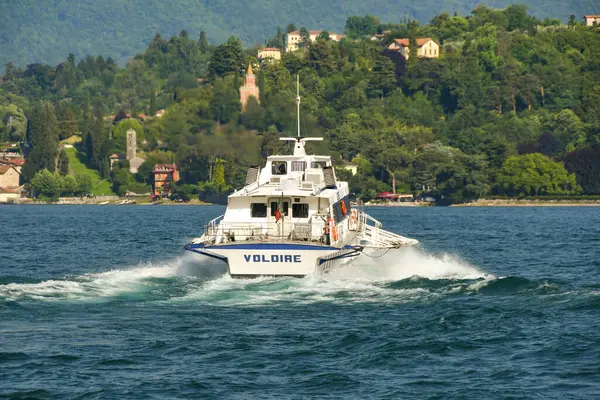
<point x="9" y="183"/>
<point x="591" y="19"/>
<point x="426" y="47"/>
<point x="165" y="177"/>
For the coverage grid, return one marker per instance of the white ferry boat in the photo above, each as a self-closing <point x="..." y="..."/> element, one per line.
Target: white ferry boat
<point x="293" y="218"/>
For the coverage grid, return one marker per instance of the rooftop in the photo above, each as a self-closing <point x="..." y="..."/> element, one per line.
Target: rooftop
<point x="13" y="161"/>
<point x="406" y="42"/>
<point x="161" y="168"/>
<point x="5" y="168"/>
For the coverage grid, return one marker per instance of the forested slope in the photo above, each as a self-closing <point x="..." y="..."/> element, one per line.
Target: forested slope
<point x="510" y="108"/>
<point x="44" y="31"/>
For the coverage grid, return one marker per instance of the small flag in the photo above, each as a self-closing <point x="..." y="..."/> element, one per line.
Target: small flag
<point x="278" y="212"/>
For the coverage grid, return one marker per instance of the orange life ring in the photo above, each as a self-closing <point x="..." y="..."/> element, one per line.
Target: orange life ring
<point x="333" y="230"/>
<point x="344" y="211"/>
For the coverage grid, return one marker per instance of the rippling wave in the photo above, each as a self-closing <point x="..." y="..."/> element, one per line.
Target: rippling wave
<point x="496" y="303"/>
<point x="394" y="277"/>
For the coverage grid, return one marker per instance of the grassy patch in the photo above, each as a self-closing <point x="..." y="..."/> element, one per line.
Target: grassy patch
<point x="102" y="187"/>
<point x="71" y="140"/>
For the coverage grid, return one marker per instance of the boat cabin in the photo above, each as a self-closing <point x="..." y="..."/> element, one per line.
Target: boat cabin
<point x="292" y="197"/>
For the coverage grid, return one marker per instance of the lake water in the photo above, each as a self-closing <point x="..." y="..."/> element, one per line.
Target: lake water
<point x="101" y="302"/>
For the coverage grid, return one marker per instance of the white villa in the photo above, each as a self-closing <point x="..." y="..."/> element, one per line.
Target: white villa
<point x="292" y="39"/>
<point x="269" y="54"/>
<point x="590" y="20"/>
<point x="426" y="47"/>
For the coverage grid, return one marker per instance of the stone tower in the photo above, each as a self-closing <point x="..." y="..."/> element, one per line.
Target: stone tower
<point x="249" y="88"/>
<point x="131" y="144"/>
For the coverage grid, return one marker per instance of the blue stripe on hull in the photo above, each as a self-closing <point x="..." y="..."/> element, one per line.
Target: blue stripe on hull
<point x="261" y="246"/>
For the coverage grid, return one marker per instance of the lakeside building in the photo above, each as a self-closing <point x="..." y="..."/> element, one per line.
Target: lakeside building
<point x="131" y="154"/>
<point x="164" y="175"/>
<point x="591" y="20"/>
<point x="293" y="39"/>
<point x="9" y="183"/>
<point x="269" y="54"/>
<point x="426" y="47"/>
<point x="16" y="161"/>
<point x="249" y="88"/>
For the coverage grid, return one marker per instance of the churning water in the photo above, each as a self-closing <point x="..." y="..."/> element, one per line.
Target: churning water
<point x="102" y="302"/>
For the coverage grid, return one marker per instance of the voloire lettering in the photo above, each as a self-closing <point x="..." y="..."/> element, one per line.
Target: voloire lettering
<point x="281" y="258"/>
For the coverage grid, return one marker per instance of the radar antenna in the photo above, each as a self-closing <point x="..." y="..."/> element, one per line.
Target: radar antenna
<point x="298" y="101"/>
<point x="300" y="141"/>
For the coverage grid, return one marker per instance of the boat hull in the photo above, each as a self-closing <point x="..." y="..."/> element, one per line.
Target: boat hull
<point x="246" y="260"/>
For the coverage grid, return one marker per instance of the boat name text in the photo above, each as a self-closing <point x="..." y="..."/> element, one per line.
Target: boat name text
<point x="272" y="258"/>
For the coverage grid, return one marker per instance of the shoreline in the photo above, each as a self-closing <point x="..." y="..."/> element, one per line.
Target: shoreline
<point x="103" y="202"/>
<point x="476" y="203"/>
<point x="497" y="203"/>
<point x="529" y="203"/>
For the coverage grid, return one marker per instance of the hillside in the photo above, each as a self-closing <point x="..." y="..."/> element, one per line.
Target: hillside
<point x="33" y="31"/>
<point x="509" y="108"/>
<point x="101" y="187"/>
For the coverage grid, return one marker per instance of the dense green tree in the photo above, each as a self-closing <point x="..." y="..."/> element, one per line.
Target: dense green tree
<point x="84" y="184"/>
<point x="584" y="164"/>
<point x="219" y="174"/>
<point x="227" y="59"/>
<point x="42" y="140"/>
<point x="253" y="115"/>
<point x="63" y="163"/>
<point x="69" y="185"/>
<point x="13" y="123"/>
<point x="534" y="175"/>
<point x="361" y="26"/>
<point x="67" y="125"/>
<point x="203" y="42"/>
<point x="152" y="109"/>
<point x="382" y="79"/>
<point x="47" y="184"/>
<point x="225" y="103"/>
<point x="121" y="180"/>
<point x="185" y="192"/>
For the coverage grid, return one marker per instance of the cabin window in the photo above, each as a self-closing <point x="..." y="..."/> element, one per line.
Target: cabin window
<point x="284" y="208"/>
<point x="298" y="166"/>
<point x="318" y="164"/>
<point x="258" y="210"/>
<point x="279" y="168"/>
<point x="338" y="209"/>
<point x="300" y="210"/>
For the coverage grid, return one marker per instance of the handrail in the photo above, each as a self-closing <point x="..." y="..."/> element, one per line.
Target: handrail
<point x="264" y="230"/>
<point x="369" y="231"/>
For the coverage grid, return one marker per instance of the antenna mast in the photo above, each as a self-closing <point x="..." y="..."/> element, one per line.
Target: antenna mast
<point x="298" y="101"/>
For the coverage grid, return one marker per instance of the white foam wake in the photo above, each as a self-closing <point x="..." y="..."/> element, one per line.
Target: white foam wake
<point x="406" y="263"/>
<point x="92" y="285"/>
<point x="366" y="279"/>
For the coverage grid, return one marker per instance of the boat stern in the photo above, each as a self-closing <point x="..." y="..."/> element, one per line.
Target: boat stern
<point x="246" y="260"/>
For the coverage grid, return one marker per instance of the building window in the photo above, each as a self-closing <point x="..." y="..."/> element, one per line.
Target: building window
<point x="300" y="210"/>
<point x="279" y="168"/>
<point x="258" y="210"/>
